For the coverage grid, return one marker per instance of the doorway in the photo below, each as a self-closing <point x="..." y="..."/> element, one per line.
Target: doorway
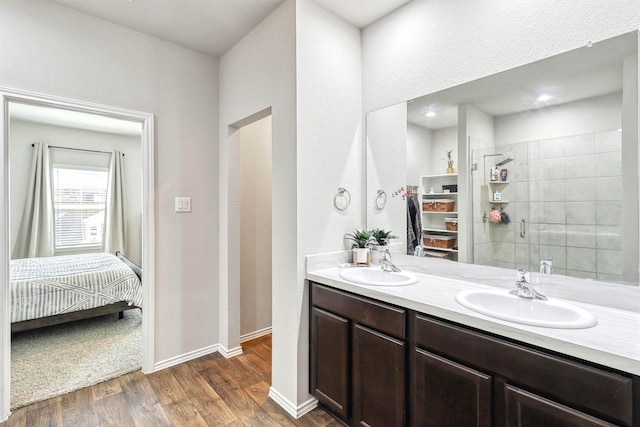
<point x="255" y="230"/>
<point x="142" y="120"/>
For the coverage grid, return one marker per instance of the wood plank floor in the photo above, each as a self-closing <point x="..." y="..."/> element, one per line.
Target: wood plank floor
<point x="208" y="391"/>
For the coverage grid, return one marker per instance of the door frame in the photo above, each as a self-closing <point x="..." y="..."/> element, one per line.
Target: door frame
<point x="148" y="225"/>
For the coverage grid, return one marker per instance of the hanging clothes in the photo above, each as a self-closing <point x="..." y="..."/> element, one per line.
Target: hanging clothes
<point x="414" y="224"/>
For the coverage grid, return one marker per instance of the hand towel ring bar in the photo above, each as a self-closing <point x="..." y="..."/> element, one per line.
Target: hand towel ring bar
<point x="381" y="200"/>
<point x="344" y="195"/>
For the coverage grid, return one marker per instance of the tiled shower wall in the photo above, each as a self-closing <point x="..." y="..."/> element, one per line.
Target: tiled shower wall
<point x="569" y="193"/>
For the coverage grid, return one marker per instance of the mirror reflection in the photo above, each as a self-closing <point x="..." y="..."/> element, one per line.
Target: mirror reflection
<point x="535" y="167"/>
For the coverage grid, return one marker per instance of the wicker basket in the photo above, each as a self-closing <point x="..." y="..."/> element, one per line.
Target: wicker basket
<point x="451" y="224"/>
<point x="438" y="205"/>
<point x="438" y="254"/>
<point x="438" y="241"/>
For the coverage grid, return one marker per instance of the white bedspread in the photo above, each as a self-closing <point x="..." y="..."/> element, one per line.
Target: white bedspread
<point x="48" y="286"/>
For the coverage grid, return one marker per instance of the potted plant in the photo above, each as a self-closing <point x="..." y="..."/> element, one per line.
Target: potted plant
<point x="382" y="236"/>
<point x="361" y="248"/>
<point x="450" y="168"/>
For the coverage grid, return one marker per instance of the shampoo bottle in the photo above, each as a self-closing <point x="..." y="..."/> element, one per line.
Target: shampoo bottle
<point x="495" y="174"/>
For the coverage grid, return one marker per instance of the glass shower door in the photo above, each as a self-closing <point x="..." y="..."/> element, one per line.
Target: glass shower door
<point x="562" y="198"/>
<point x="575" y="204"/>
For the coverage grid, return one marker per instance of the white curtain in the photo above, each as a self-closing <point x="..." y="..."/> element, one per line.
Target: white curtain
<point x="114" y="222"/>
<point x="35" y="236"/>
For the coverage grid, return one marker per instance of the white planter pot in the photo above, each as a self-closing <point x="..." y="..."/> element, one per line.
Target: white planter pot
<point x="361" y="256"/>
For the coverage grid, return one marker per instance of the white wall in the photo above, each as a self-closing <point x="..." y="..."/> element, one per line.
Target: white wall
<point x="256" y="75"/>
<point x="430" y="45"/>
<point x="329" y="127"/>
<point x="443" y="140"/>
<point x="23" y="134"/>
<point x="255" y="233"/>
<point x="289" y="63"/>
<point x="329" y="106"/>
<point x="419" y="143"/>
<point x="55" y="50"/>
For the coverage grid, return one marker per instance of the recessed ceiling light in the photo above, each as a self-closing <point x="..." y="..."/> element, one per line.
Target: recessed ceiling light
<point x="430" y="114"/>
<point x="544" y="97"/>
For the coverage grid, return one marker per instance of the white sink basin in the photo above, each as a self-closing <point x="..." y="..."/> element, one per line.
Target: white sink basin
<point x="549" y="314"/>
<point x="374" y="276"/>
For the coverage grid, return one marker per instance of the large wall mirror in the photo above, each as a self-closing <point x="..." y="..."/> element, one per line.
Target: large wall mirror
<point x="531" y="164"/>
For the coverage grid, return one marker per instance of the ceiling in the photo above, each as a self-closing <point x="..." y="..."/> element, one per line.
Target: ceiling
<point x="579" y="74"/>
<point x="214" y="26"/>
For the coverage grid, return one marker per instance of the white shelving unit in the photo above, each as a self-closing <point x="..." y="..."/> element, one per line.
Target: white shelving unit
<point x="433" y="223"/>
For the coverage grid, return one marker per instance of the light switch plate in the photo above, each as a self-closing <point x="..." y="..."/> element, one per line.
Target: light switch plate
<point x="183" y="204"/>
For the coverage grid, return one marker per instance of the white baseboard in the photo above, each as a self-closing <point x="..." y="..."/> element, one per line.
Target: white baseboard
<point x="253" y="335"/>
<point x="293" y="410"/>
<point x="227" y="353"/>
<point x="195" y="354"/>
<point x="186" y="357"/>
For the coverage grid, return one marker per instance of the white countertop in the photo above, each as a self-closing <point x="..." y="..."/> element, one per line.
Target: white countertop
<point x="613" y="342"/>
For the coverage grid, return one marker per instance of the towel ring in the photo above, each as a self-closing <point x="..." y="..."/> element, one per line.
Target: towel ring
<point x="381" y="200"/>
<point x="342" y="199"/>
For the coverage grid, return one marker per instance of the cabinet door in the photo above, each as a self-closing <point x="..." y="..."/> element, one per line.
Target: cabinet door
<point x="378" y="379"/>
<point x="524" y="409"/>
<point x="448" y="394"/>
<point x="330" y="361"/>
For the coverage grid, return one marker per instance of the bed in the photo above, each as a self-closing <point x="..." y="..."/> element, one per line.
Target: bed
<point x="52" y="290"/>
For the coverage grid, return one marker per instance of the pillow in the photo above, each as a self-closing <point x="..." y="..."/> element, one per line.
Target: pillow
<point x="137" y="270"/>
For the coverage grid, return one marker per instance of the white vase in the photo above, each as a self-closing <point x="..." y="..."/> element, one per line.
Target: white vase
<point x="361" y="256"/>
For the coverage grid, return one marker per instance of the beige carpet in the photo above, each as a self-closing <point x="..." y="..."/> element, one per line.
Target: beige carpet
<point x="55" y="360"/>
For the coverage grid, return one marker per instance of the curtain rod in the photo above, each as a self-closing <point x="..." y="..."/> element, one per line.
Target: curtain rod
<point x="78" y="149"/>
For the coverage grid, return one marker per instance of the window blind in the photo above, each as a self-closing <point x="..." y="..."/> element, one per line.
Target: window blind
<point x="79" y="196"/>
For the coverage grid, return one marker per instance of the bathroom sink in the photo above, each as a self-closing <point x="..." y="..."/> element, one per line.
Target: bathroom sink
<point x="374" y="276"/>
<point x="551" y="313"/>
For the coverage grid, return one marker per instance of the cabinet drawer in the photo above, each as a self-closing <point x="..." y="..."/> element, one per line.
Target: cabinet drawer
<point x="594" y="390"/>
<point x="384" y="318"/>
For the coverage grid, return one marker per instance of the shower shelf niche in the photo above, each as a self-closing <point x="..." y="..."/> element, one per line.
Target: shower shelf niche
<point x="495" y="185"/>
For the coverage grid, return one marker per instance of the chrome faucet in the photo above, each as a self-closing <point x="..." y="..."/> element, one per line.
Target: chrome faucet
<point x="524" y="289"/>
<point x="385" y="260"/>
<point x="546" y="265"/>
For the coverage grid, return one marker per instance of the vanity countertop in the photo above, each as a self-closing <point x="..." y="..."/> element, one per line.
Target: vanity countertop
<point x="613" y="342"/>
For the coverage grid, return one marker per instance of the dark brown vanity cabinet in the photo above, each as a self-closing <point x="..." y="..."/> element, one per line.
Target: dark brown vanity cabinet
<point x="358" y="358"/>
<point x="462" y="377"/>
<point x="373" y="364"/>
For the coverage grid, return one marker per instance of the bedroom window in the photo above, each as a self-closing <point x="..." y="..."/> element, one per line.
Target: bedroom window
<point x="79" y="196"/>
